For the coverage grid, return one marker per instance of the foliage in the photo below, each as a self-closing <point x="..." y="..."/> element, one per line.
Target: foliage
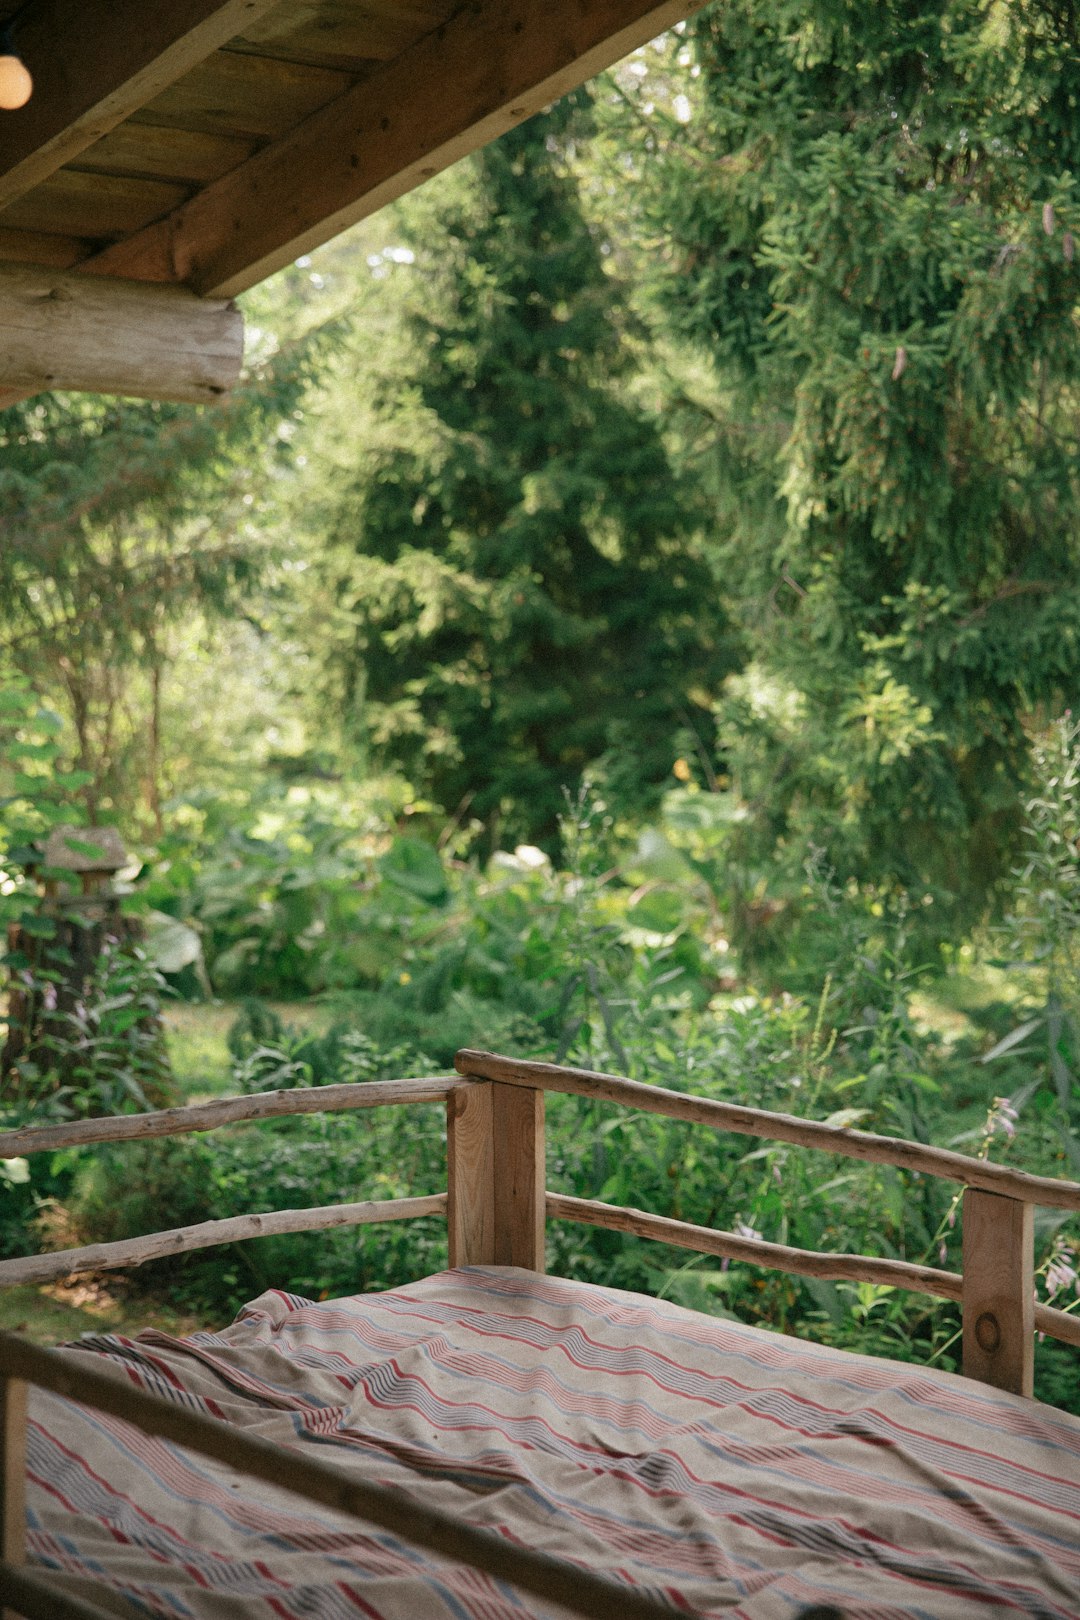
<point x="1040" y="931"/>
<point x="858" y="225"/>
<point x="102" y="1054"/>
<point x="584" y="978"/>
<point x="119" y="519"/>
<point x="517" y="591"/>
<point x="36" y="792"/>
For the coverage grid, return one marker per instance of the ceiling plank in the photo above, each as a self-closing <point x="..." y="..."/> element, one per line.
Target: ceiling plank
<point x="42" y="248"/>
<point x="114" y="337"/>
<point x="338" y="31"/>
<point x="92" y="205"/>
<point x="142" y="151"/>
<point x="246" y="96"/>
<point x="96" y="61"/>
<point x="489" y="67"/>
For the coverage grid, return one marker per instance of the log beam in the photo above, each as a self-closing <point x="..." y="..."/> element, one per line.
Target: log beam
<point x="96" y="61"/>
<point x="59" y="330"/>
<point x="489" y="67"/>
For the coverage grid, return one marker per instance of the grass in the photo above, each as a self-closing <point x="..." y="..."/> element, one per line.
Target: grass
<point x="196" y="1036"/>
<point x="57" y="1312"/>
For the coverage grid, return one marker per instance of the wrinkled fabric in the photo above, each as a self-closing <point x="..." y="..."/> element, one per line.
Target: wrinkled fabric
<point x="739" y="1472"/>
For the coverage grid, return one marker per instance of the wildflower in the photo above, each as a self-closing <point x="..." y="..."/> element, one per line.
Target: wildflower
<point x="48" y="996"/>
<point x="1002" y="1117"/>
<point x="745" y="1231"/>
<point x="1061" y="1272"/>
<point x="942" y="1254"/>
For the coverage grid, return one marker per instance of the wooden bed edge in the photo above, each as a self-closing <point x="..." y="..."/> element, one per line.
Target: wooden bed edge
<point x="130" y="1252"/>
<point x="578" y="1589"/>
<point x="34" y="1597"/>
<point x="226" y="1111"/>
<point x="942" y="1163"/>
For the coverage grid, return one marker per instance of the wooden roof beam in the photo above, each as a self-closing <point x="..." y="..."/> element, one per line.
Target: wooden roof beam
<point x="96" y="61"/>
<point x="59" y="330"/>
<point x="492" y="65"/>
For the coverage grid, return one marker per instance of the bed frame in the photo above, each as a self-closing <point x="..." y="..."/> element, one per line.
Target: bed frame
<point x="496" y="1206"/>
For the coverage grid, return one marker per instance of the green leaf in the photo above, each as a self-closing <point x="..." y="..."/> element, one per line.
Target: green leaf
<point x="1011" y="1041"/>
<point x="171" y="945"/>
<point x="416" y="868"/>
<point x="38" y="927"/>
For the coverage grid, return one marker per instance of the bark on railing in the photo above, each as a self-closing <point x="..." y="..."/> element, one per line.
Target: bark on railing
<point x="553" y="1579"/>
<point x="36" y="1268"/>
<point x="757" y="1251"/>
<point x="225" y="1111"/>
<point x="942" y="1163"/>
<point x="780" y="1257"/>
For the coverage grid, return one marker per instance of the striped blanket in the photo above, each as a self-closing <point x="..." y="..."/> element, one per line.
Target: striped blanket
<point x="740" y="1472"/>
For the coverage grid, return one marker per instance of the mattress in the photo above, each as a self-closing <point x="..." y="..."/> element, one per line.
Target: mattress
<point x="739" y="1472"/>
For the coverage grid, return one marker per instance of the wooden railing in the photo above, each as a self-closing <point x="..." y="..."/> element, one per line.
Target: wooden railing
<point x="497" y="1205"/>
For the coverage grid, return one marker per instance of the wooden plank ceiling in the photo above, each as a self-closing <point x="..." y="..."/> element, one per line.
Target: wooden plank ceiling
<point x="208" y="144"/>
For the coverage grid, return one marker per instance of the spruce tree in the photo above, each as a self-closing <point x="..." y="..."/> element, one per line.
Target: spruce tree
<point x="868" y="223"/>
<point x="515" y="560"/>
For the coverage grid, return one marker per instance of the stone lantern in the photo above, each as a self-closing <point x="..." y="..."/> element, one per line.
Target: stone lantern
<point x="79" y="917"/>
<point x="93" y="854"/>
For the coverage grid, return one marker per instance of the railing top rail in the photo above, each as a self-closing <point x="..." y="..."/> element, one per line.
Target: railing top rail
<point x="225" y="1111"/>
<point x="472" y="1065"/>
<point x="915" y="1156"/>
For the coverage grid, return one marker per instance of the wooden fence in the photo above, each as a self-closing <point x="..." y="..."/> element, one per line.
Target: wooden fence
<point x="497" y="1206"/>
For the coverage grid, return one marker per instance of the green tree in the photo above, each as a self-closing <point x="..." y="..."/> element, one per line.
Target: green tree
<point x="865" y="218"/>
<point x="118" y="521"/>
<point x="520" y="588"/>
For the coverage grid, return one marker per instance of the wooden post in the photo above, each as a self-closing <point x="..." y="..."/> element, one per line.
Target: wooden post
<point x="470" y="1168"/>
<point x="999" y="1291"/>
<point x="520" y="1177"/>
<point x="496" y="1204"/>
<point x="13" y="1393"/>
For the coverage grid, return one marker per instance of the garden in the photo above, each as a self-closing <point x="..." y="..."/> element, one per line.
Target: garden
<point x="629" y="616"/>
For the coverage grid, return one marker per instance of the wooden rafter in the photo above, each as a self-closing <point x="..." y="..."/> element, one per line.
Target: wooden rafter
<point x="492" y="65"/>
<point x="96" y="61"/>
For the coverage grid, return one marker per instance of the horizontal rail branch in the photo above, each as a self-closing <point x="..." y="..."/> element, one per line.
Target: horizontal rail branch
<point x="1056" y="1324"/>
<point x="36" y="1268"/>
<point x="225" y="1111"/>
<point x="780" y="1257"/>
<point x="580" y="1590"/>
<point x="36" y="1598"/>
<point x="942" y="1163"/>
<point x="756" y="1251"/>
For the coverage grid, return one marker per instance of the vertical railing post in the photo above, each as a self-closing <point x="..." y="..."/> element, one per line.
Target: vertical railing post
<point x="520" y="1176"/>
<point x="497" y="1186"/>
<point x="13" y="1393"/>
<point x="999" y="1291"/>
<point x="470" y="1170"/>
